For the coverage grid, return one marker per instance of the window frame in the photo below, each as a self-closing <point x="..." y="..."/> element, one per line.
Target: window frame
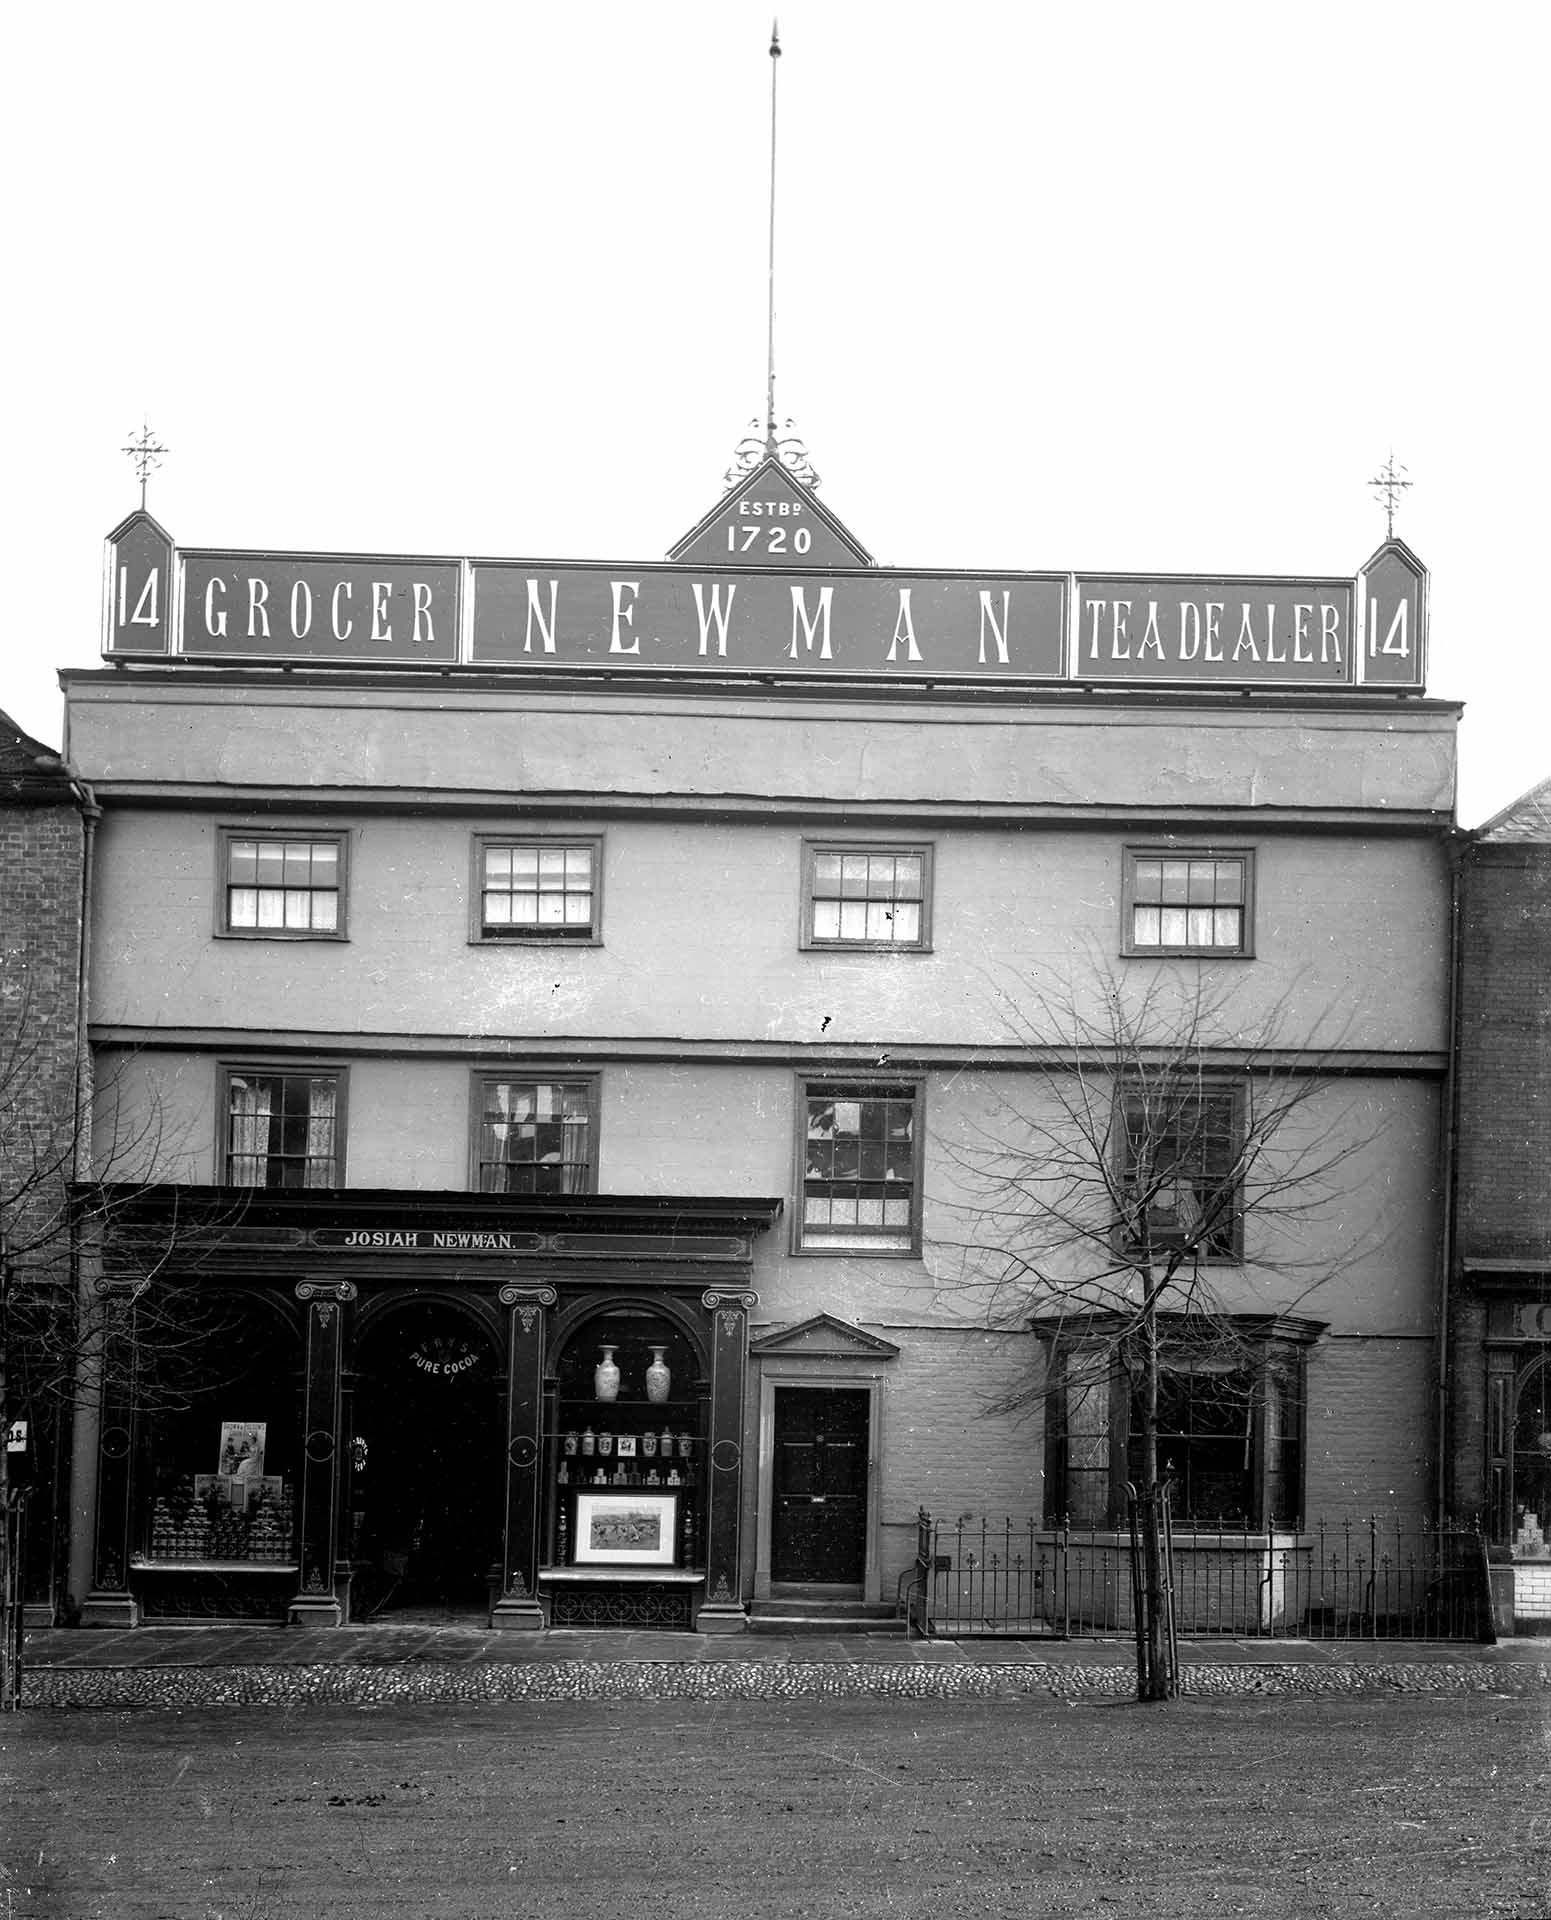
<point x="815" y="845"/>
<point x="226" y="835"/>
<point x="481" y="936"/>
<point x="481" y="1077"/>
<point x="1233" y="1090"/>
<point x="840" y="1084"/>
<point x="228" y="1070"/>
<point x="1132" y="852"/>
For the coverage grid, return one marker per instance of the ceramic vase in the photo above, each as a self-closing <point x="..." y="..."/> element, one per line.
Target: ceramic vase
<point x="605" y="1377"/>
<point x="658" y="1378"/>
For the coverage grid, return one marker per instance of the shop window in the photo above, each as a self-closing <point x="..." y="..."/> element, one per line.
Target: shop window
<point x="860" y="1168"/>
<point x="866" y="896"/>
<point x="537" y="891"/>
<point x="283" y="1129"/>
<point x="1530" y="1463"/>
<point x="283" y="885"/>
<point x="627" y="1455"/>
<point x="1230" y="1427"/>
<point x="1180" y="1153"/>
<point x="536" y="1136"/>
<point x="218" y="1483"/>
<point x="1187" y="901"/>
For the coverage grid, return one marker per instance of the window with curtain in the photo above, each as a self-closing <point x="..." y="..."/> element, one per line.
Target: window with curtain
<point x="282" y="1129"/>
<point x="283" y="884"/>
<point x="1182" y="900"/>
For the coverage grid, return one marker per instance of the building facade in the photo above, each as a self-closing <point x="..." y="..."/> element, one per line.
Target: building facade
<point x="1500" y="1304"/>
<point x="577" y="1008"/>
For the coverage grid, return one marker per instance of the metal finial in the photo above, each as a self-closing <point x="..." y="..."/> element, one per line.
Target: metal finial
<point x="771" y="444"/>
<point x="775" y="58"/>
<point x="1387" y="488"/>
<point x="146" y="453"/>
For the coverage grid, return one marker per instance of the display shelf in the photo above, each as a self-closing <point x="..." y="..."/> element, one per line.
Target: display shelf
<point x="141" y="1563"/>
<point x="622" y="1576"/>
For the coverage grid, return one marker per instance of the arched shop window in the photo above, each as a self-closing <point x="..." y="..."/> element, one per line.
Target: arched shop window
<point x="629" y="1420"/>
<point x="218" y="1420"/>
<point x="1530" y="1465"/>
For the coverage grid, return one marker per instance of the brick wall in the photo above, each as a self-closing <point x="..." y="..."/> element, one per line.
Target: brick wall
<point x="1505" y="1054"/>
<point x="40" y="906"/>
<point x="41" y="848"/>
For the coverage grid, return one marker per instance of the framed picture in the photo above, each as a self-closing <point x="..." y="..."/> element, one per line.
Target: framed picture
<point x="624" y="1446"/>
<point x="626" y="1529"/>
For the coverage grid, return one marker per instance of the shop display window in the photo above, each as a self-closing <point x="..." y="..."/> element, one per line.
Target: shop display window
<point x="219" y="1465"/>
<point x="627" y="1447"/>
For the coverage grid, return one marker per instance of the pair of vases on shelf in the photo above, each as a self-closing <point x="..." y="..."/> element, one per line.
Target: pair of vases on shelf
<point x="605" y="1377"/>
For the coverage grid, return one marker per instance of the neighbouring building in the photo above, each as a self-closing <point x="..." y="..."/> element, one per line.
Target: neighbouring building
<point x="46" y="820"/>
<point x="568" y="1001"/>
<point x="1500" y="1305"/>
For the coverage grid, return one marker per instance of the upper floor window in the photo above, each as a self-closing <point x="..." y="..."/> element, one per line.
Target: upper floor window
<point x="537" y="890"/>
<point x="278" y="884"/>
<point x="535" y="1136"/>
<point x="283" y="1129"/>
<point x="860" y="1168"/>
<point x="1180" y="1172"/>
<point x="1188" y="901"/>
<point x="866" y="896"/>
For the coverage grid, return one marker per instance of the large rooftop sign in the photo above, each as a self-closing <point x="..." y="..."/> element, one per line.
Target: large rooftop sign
<point x="772" y="606"/>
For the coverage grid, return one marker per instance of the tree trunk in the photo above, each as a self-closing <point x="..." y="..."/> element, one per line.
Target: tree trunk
<point x="1152" y="1582"/>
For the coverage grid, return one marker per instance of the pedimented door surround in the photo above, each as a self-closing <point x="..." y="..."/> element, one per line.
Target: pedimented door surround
<point x="819" y="1353"/>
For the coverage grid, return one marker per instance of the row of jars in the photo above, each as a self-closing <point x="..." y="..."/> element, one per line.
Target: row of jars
<point x="651" y="1445"/>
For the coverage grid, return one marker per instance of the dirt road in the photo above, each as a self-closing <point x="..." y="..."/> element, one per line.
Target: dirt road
<point x="773" y="1810"/>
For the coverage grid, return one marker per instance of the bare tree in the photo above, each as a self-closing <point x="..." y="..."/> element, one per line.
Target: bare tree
<point x="1108" y="1190"/>
<point x="74" y="1328"/>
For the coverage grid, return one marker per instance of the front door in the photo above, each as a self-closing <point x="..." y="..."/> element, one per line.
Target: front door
<point x="818" y="1522"/>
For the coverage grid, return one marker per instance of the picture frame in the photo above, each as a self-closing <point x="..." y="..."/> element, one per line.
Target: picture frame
<point x="624" y="1446"/>
<point x="626" y="1529"/>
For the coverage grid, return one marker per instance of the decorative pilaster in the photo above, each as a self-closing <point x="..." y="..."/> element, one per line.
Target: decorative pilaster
<point x="722" y="1610"/>
<point x="110" y="1602"/>
<point x="317" y="1602"/>
<point x="518" y="1607"/>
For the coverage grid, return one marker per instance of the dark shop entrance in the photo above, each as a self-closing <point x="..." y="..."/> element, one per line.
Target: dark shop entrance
<point x="425" y="1470"/>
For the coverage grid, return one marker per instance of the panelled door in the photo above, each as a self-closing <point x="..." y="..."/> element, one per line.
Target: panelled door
<point x="818" y="1521"/>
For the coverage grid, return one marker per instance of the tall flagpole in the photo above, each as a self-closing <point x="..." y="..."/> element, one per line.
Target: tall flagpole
<point x="770" y="418"/>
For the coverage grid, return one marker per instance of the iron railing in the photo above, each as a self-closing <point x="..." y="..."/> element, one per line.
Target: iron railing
<point x="1348" y="1579"/>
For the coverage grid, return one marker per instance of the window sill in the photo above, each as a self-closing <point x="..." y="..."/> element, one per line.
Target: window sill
<point x="281" y="933"/>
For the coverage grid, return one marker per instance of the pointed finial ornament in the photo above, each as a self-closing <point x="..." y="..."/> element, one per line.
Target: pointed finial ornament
<point x="1387" y="488"/>
<point x="146" y="453"/>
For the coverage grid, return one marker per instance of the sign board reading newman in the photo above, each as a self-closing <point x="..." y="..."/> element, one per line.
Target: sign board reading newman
<point x="695" y="617"/>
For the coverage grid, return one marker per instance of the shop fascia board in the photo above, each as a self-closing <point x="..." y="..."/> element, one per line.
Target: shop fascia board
<point x="247" y="1214"/>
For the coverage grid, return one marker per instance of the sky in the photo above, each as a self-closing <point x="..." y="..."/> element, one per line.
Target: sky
<point x="1106" y="287"/>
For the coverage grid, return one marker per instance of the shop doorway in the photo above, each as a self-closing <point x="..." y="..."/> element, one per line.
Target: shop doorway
<point x="426" y="1467"/>
<point x="818" y="1520"/>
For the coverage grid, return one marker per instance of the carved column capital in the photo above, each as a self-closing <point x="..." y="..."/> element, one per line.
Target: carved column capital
<point x="340" y="1290"/>
<point x="712" y="1301"/>
<point x="513" y="1295"/>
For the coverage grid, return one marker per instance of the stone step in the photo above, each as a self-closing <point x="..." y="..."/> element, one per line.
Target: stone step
<point x="794" y="1617"/>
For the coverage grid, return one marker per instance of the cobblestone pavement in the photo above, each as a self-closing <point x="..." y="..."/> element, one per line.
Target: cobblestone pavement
<point x="214" y="1666"/>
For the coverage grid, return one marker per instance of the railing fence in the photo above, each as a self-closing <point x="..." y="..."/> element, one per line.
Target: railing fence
<point x="1343" y="1580"/>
